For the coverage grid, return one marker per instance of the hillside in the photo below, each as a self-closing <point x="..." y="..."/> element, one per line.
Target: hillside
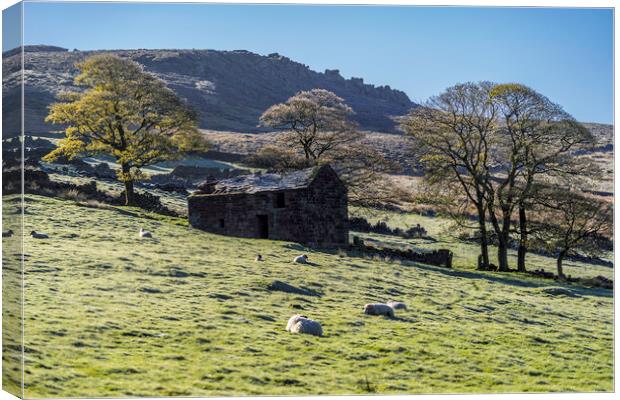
<point x="398" y="148"/>
<point x="190" y="314"/>
<point x="230" y="89"/>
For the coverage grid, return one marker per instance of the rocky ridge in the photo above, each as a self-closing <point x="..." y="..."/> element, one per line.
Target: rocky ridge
<point x="229" y="89"/>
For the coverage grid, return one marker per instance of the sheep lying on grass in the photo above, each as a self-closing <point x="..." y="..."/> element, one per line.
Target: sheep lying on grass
<point x="302" y="259"/>
<point x="397" y="305"/>
<point x="302" y="324"/>
<point x="293" y="320"/>
<point x="145" y="234"/>
<point x="379" y="309"/>
<point x="8" y="233"/>
<point x="38" y="235"/>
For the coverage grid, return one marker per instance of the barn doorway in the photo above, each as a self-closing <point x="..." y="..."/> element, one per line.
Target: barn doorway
<point x="263" y="226"/>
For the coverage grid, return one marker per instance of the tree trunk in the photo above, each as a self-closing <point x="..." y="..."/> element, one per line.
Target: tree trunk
<point x="129" y="193"/>
<point x="522" y="239"/>
<point x="484" y="245"/>
<point x="502" y="256"/>
<point x="503" y="239"/>
<point x="559" y="262"/>
<point x="502" y="236"/>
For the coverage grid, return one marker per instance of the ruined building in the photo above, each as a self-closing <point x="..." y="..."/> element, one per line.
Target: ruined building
<point x="307" y="206"/>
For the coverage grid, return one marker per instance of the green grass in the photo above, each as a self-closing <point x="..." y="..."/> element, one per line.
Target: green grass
<point x="188" y="313"/>
<point x="465" y="253"/>
<point x="11" y="298"/>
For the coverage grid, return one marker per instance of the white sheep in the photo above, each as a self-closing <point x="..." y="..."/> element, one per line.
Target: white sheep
<point x="302" y="324"/>
<point x="397" y="305"/>
<point x="302" y="259"/>
<point x="259" y="257"/>
<point x="145" y="234"/>
<point x="293" y="320"/>
<point x="38" y="235"/>
<point x="8" y="233"/>
<point x="307" y="326"/>
<point x="379" y="309"/>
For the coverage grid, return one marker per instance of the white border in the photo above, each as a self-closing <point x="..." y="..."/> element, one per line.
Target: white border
<point x="476" y="3"/>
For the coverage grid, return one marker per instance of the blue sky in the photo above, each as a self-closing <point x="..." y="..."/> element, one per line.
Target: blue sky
<point x="566" y="54"/>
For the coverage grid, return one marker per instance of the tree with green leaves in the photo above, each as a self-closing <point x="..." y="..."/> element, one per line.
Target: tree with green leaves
<point x="127" y="113"/>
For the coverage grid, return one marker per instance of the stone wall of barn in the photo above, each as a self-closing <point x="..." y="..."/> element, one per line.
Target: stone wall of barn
<point x="327" y="206"/>
<point x="316" y="216"/>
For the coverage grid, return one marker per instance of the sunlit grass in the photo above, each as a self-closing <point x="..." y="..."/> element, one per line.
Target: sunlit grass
<point x="466" y="254"/>
<point x="188" y="313"/>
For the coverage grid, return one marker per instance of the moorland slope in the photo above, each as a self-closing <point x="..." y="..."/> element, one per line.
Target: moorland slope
<point x="192" y="313"/>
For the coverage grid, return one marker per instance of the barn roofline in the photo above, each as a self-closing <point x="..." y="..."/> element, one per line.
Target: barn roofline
<point x="196" y="194"/>
<point x="328" y="167"/>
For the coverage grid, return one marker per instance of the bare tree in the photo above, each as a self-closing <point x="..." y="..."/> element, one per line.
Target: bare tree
<point x="572" y="221"/>
<point x="495" y="141"/>
<point x="316" y="120"/>
<point x="317" y="130"/>
<point x="278" y="158"/>
<point x="363" y="170"/>
<point x="453" y="135"/>
<point x="534" y="137"/>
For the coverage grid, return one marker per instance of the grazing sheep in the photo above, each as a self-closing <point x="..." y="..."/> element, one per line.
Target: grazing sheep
<point x="259" y="257"/>
<point x="145" y="234"/>
<point x="379" y="309"/>
<point x="302" y="259"/>
<point x="397" y="305"/>
<point x="8" y="233"/>
<point x="302" y="324"/>
<point x="38" y="235"/>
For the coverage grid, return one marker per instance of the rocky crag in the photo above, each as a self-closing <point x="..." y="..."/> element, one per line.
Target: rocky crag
<point x="229" y="89"/>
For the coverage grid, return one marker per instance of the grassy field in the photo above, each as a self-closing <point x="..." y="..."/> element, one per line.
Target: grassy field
<point x="190" y="313"/>
<point x="465" y="253"/>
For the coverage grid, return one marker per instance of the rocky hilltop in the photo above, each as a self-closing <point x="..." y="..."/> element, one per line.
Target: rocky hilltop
<point x="229" y="89"/>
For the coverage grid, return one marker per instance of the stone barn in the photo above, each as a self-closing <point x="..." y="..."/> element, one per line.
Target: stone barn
<point x="307" y="206"/>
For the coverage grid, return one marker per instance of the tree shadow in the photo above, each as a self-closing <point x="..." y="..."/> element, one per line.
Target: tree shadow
<point x="507" y="280"/>
<point x="590" y="291"/>
<point x="580" y="290"/>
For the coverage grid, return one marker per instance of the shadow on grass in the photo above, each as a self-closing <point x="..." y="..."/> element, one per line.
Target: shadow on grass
<point x="580" y="290"/>
<point x="136" y="212"/>
<point x="300" y="247"/>
<point x="513" y="280"/>
<point x="403" y="319"/>
<point x="280" y="286"/>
